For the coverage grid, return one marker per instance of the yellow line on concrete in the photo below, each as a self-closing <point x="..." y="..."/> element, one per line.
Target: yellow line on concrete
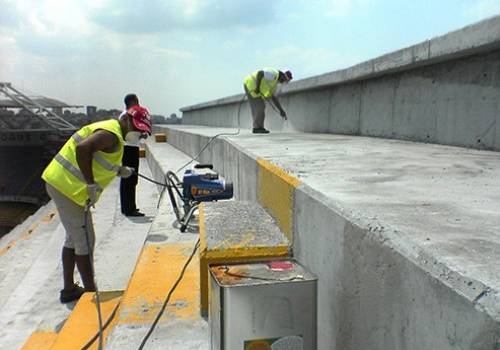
<point x="40" y="341"/>
<point x="27" y="233"/>
<point x="243" y="253"/>
<point x="83" y="323"/>
<point x="228" y="257"/>
<point x="276" y="190"/>
<point x="201" y="228"/>
<point x="156" y="271"/>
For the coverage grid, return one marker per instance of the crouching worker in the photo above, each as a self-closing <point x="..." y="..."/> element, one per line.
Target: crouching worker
<point x="75" y="178"/>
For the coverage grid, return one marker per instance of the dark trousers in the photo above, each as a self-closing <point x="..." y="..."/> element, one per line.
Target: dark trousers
<point x="258" y="108"/>
<point x="127" y="186"/>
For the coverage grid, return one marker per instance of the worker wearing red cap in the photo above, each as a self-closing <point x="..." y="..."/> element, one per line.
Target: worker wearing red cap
<point x="131" y="159"/>
<point x="260" y="86"/>
<point x="75" y="179"/>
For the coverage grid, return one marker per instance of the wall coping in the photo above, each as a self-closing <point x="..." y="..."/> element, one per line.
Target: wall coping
<point x="480" y="37"/>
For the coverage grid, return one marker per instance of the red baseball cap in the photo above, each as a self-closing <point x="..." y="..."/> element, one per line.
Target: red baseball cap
<point x="140" y="118"/>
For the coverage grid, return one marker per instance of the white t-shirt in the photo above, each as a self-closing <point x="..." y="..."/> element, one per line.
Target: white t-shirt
<point x="269" y="74"/>
<point x="128" y="143"/>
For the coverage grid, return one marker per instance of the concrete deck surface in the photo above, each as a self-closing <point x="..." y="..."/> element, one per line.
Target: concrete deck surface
<point x="437" y="205"/>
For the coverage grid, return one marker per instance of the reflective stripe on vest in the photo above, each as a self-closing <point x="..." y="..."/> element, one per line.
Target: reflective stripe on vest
<point x="73" y="170"/>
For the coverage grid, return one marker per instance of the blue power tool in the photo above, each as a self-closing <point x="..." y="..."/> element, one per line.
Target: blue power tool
<point x="200" y="184"/>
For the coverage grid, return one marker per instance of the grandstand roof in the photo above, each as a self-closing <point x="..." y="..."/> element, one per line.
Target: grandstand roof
<point x="44" y="101"/>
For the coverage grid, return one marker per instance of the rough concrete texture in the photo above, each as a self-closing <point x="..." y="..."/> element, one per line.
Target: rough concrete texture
<point x="240" y="224"/>
<point x="441" y="91"/>
<point x="31" y="272"/>
<point x="178" y="335"/>
<point x="403" y="236"/>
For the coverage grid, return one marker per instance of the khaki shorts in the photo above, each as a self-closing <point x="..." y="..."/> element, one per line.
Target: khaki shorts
<point x="72" y="218"/>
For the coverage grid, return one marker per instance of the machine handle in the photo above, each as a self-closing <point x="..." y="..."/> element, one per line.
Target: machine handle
<point x="204" y="166"/>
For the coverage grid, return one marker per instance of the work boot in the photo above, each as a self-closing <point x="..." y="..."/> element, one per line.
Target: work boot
<point x="260" y="131"/>
<point x="135" y="213"/>
<point x="68" y="295"/>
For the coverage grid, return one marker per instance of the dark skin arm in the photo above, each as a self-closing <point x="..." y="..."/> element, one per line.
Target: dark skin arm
<point x="260" y="75"/>
<point x="276" y="102"/>
<point x="101" y="140"/>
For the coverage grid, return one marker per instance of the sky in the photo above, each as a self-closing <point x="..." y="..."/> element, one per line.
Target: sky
<point x="175" y="53"/>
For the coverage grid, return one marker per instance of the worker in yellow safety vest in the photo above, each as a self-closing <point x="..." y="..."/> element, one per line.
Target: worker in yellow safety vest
<point x="75" y="178"/>
<point x="260" y="86"/>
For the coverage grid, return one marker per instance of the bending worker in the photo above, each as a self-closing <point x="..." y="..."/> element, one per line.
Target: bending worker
<point x="260" y="86"/>
<point x="75" y="178"/>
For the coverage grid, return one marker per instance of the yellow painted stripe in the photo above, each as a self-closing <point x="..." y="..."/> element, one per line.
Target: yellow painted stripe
<point x="243" y="253"/>
<point x="156" y="271"/>
<point x="230" y="256"/>
<point x="83" y="323"/>
<point x="27" y="234"/>
<point x="40" y="341"/>
<point x="202" y="230"/>
<point x="276" y="189"/>
<point x="160" y="137"/>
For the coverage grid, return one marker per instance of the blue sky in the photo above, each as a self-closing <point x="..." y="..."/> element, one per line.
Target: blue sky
<point x="174" y="53"/>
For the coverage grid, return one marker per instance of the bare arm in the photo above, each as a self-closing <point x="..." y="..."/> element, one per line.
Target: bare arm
<point x="277" y="103"/>
<point x="98" y="141"/>
<point x="260" y="75"/>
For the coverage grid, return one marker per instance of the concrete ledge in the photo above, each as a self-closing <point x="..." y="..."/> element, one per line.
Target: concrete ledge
<point x="442" y="91"/>
<point x="389" y="227"/>
<point x="234" y="231"/>
<point x="276" y="194"/>
<point x="477" y="38"/>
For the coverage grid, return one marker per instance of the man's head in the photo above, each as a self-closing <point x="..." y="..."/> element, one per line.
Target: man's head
<point x="285" y="76"/>
<point x="131" y="100"/>
<point x="136" y="123"/>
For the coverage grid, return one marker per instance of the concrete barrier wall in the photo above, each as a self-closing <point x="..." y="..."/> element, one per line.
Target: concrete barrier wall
<point x="373" y="294"/>
<point x="444" y="90"/>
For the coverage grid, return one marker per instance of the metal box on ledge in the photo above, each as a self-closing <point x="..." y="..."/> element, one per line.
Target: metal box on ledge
<point x="263" y="306"/>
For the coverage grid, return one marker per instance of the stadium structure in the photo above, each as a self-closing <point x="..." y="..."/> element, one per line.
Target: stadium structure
<point x="31" y="130"/>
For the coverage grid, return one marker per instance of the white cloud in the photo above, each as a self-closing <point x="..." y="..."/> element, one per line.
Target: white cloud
<point x="482" y="9"/>
<point x="174" y="53"/>
<point x="338" y="8"/>
<point x="307" y="61"/>
<point x="134" y="16"/>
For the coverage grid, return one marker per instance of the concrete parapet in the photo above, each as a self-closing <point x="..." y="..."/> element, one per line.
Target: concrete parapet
<point x="234" y="231"/>
<point x="443" y="90"/>
<point x="400" y="234"/>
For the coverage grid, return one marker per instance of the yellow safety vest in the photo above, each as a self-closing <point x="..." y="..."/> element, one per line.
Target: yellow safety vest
<point x="65" y="175"/>
<point x="267" y="87"/>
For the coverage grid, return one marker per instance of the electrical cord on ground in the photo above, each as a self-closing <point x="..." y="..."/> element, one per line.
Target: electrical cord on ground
<point x="106" y="324"/>
<point x="91" y="260"/>
<point x="170" y="292"/>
